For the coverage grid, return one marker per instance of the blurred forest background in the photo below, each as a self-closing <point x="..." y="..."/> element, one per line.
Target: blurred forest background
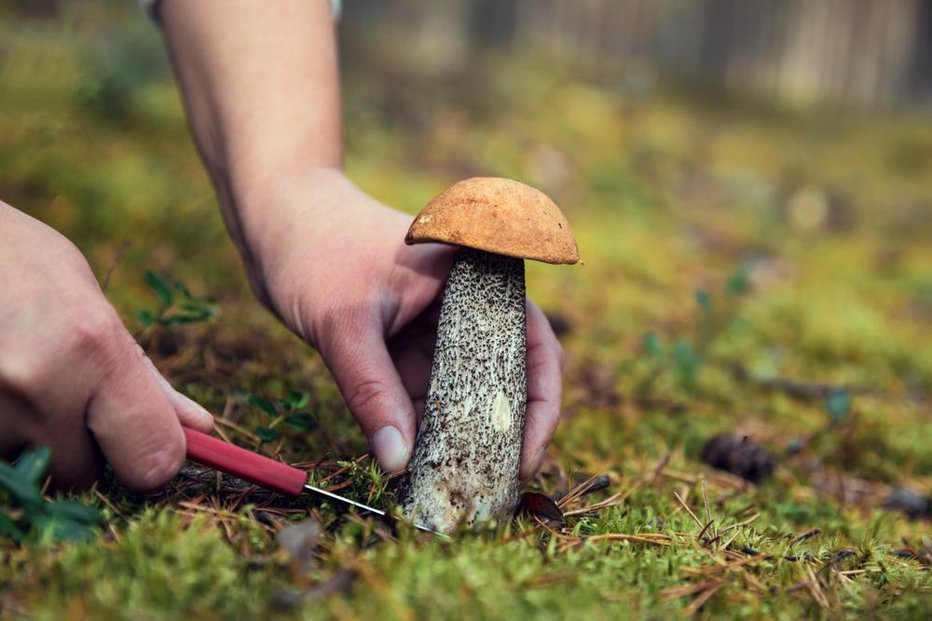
<point x="846" y="51"/>
<point x="750" y="183"/>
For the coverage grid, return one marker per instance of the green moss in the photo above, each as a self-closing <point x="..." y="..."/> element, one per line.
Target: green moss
<point x="154" y="569"/>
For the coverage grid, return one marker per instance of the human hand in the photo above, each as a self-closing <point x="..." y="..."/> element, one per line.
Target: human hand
<point x="261" y="91"/>
<point x="332" y="264"/>
<point x="71" y="376"/>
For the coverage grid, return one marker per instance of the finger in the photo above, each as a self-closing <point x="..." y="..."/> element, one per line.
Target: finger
<point x="190" y="413"/>
<point x="14" y="436"/>
<point x="414" y="370"/>
<point x="360" y="363"/>
<point x="76" y="461"/>
<point x="133" y="422"/>
<point x="412" y="355"/>
<point x="544" y="389"/>
<point x="412" y="352"/>
<point x="76" y="458"/>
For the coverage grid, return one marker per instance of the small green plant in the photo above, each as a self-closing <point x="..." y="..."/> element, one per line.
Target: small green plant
<point x="838" y="404"/>
<point x="368" y="480"/>
<point x="289" y="409"/>
<point x="685" y="357"/>
<point x="176" y="305"/>
<point x="116" y="69"/>
<point x="680" y="358"/>
<point x="23" y="509"/>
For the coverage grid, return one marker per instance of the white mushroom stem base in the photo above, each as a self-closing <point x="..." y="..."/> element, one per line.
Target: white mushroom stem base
<point x="468" y="449"/>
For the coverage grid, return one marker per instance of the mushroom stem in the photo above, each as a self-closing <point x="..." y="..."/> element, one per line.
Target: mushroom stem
<point x="468" y="449"/>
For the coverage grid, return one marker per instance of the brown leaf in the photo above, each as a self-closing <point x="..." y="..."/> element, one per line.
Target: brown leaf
<point x="540" y="506"/>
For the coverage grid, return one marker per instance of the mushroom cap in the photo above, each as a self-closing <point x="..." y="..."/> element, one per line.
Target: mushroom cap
<point x="497" y="215"/>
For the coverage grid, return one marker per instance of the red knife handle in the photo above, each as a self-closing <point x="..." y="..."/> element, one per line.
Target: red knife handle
<point x="225" y="457"/>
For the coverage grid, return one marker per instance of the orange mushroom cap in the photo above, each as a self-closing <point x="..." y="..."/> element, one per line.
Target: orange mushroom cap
<point x="497" y="215"/>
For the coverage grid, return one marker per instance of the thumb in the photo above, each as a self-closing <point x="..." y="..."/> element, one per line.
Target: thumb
<point x="374" y="393"/>
<point x="190" y="413"/>
<point x="134" y="423"/>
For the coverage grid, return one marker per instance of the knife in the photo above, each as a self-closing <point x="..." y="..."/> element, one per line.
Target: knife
<point x="268" y="473"/>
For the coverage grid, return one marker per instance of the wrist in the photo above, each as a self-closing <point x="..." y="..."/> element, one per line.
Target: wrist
<point x="263" y="199"/>
<point x="269" y="214"/>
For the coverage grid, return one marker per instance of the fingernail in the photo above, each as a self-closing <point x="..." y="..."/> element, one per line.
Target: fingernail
<point x="390" y="448"/>
<point x="200" y="409"/>
<point x="192" y="406"/>
<point x="178" y="400"/>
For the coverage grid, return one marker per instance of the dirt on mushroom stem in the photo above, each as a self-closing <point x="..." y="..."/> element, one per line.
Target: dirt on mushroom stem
<point x="466" y="458"/>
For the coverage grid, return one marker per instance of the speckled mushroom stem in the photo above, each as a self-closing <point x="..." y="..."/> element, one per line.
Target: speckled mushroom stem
<point x="468" y="449"/>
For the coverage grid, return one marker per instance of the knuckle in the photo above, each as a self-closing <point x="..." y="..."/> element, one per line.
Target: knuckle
<point x="92" y="333"/>
<point x="81" y="337"/>
<point x="21" y="376"/>
<point x="363" y="395"/>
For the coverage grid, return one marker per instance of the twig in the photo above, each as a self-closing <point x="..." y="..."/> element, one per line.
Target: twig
<point x="702" y="532"/>
<point x="817" y="594"/>
<point x="230" y="424"/>
<point x="121" y="250"/>
<point x="689" y="589"/>
<point x="578" y="491"/>
<point x="612" y="501"/>
<point x="688" y="510"/>
<point x="705" y="571"/>
<point x="721" y="479"/>
<point x="740" y="524"/>
<point x="657" y="539"/>
<point x="728" y="543"/>
<point x="658" y="469"/>
<point x="809" y="534"/>
<point x="109" y="504"/>
<point x="702" y="599"/>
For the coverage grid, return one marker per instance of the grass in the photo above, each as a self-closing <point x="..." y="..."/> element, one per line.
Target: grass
<point x="747" y="268"/>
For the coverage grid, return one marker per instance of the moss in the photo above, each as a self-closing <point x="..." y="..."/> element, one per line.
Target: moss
<point x="154" y="568"/>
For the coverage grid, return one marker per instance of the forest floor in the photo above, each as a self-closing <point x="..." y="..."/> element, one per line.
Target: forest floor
<point x="749" y="269"/>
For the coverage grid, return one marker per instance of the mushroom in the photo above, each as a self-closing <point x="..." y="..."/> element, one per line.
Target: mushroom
<point x="466" y="457"/>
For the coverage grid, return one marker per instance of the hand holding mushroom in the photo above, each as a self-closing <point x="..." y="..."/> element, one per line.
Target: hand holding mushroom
<point x="334" y="267"/>
<point x="326" y="258"/>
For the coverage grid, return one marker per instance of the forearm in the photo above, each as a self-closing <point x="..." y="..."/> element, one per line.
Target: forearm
<point x="261" y="88"/>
